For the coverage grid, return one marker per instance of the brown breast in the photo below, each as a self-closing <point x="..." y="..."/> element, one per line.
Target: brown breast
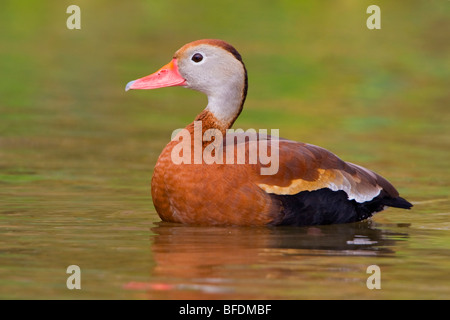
<point x="208" y="193"/>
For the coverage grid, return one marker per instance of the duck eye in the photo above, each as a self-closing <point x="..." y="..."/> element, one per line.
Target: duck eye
<point x="197" y="57"/>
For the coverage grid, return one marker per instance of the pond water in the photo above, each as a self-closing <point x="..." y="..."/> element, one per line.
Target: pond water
<point x="77" y="152"/>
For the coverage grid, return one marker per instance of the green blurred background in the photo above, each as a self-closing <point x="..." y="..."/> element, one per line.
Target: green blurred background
<point x="77" y="151"/>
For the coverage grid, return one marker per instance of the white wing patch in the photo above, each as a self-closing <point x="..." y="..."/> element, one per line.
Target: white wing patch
<point x="332" y="179"/>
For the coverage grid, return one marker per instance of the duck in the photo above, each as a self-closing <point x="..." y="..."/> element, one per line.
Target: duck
<point x="310" y="186"/>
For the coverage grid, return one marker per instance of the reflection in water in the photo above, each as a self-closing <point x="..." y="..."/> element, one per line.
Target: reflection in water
<point x="195" y="262"/>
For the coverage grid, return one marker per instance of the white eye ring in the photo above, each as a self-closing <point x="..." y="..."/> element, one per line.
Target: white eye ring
<point x="198" y="58"/>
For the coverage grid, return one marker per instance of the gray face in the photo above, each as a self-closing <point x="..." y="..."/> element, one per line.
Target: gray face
<point x="210" y="69"/>
<point x="217" y="73"/>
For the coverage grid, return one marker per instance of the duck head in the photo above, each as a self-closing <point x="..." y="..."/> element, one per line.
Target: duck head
<point x="210" y="66"/>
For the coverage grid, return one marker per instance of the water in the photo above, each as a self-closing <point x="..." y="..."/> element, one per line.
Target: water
<point x="77" y="152"/>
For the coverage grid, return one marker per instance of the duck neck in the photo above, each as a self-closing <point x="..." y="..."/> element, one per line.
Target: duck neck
<point x="225" y="101"/>
<point x="220" y="114"/>
<point x="226" y="106"/>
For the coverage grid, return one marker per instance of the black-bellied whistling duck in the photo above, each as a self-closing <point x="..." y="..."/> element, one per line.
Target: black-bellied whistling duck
<point x="312" y="186"/>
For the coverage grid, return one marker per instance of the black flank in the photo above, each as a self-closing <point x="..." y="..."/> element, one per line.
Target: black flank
<point x="325" y="206"/>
